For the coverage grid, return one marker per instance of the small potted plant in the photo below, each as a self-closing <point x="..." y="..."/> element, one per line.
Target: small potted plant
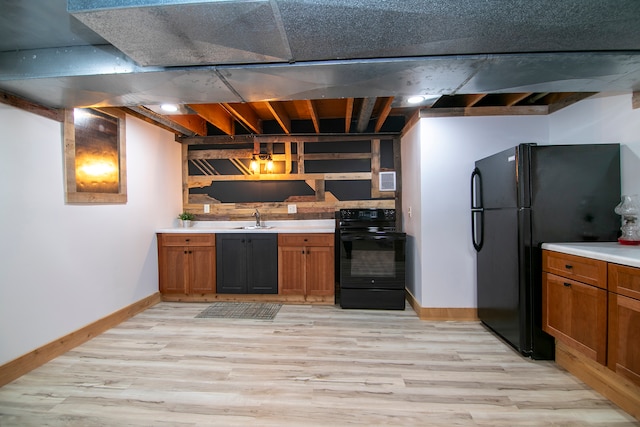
<point x="186" y="218"/>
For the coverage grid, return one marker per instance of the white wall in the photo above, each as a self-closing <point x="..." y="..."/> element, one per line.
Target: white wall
<point x="412" y="198"/>
<point x="444" y="265"/>
<point x="65" y="266"/>
<point x="603" y="118"/>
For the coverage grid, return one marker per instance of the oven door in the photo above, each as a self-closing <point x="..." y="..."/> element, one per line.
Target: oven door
<point x="372" y="260"/>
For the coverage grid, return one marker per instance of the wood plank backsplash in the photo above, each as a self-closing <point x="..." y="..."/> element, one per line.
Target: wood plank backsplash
<point x="318" y="174"/>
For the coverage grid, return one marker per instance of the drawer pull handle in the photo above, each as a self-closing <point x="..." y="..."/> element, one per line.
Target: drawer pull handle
<point x="567" y="284"/>
<point x="568" y="266"/>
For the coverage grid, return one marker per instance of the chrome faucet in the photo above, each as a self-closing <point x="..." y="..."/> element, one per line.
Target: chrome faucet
<point x="257" y="215"/>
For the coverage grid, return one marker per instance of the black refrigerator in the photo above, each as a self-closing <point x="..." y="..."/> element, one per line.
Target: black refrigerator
<point x="523" y="197"/>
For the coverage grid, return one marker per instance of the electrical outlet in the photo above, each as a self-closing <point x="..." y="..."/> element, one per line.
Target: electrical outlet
<point x="207" y="208"/>
<point x="292" y="208"/>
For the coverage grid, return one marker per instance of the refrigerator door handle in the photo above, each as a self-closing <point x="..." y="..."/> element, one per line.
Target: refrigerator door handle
<point x="476" y="211"/>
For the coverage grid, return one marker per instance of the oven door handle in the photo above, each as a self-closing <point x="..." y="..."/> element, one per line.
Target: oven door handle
<point x="371" y="237"/>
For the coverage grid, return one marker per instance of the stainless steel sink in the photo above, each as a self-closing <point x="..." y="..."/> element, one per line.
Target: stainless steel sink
<point x="255" y="227"/>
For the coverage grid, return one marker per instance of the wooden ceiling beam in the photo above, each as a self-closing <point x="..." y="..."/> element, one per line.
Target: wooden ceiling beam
<point x="471" y="100"/>
<point x="313" y="114"/>
<point x="365" y="114"/>
<point x="517" y="110"/>
<point x="246" y="115"/>
<point x="348" y="115"/>
<point x="280" y="114"/>
<point x="159" y="120"/>
<point x="216" y="115"/>
<point x="512" y="99"/>
<point x="384" y="113"/>
<point x="193" y="122"/>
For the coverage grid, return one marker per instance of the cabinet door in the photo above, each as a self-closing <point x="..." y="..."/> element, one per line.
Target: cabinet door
<point x="202" y="270"/>
<point x="291" y="270"/>
<point x="576" y="314"/>
<point x="624" y="336"/>
<point x="262" y="263"/>
<point x="173" y="262"/>
<point x="231" y="260"/>
<point x="320" y="266"/>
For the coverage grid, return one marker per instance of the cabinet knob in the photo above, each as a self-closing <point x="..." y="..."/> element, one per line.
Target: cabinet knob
<point x="568" y="285"/>
<point x="568" y="266"/>
<point x="186" y="240"/>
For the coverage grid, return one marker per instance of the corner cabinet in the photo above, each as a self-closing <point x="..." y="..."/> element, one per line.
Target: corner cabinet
<point x="574" y="309"/>
<point x="306" y="266"/>
<point x="187" y="263"/>
<point x="247" y="263"/>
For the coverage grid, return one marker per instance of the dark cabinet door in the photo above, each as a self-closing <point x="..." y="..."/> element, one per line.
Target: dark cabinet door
<point x="247" y="263"/>
<point x="262" y="263"/>
<point x="231" y="263"/>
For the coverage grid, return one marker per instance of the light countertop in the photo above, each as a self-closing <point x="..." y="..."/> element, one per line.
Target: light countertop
<point x="604" y="251"/>
<point x="294" y="226"/>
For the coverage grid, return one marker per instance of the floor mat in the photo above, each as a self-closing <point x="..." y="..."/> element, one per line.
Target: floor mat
<point x="241" y="310"/>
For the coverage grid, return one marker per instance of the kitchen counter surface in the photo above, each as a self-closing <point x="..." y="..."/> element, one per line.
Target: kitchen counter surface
<point x="603" y="251"/>
<point x="294" y="226"/>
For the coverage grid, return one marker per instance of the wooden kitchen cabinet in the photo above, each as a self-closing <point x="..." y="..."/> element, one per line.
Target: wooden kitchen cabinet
<point x="575" y="311"/>
<point x="306" y="265"/>
<point x="624" y="321"/>
<point x="187" y="263"/>
<point x="247" y="263"/>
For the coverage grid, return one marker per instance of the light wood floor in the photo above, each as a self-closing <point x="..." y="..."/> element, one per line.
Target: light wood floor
<point x="312" y="365"/>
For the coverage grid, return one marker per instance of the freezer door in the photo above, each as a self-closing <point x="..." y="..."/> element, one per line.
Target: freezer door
<point x="574" y="191"/>
<point x="499" y="179"/>
<point x="498" y="276"/>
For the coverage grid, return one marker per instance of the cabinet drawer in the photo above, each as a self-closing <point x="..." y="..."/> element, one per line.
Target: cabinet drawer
<point x="586" y="270"/>
<point x="624" y="280"/>
<point x="187" y="239"/>
<point x="313" y="239"/>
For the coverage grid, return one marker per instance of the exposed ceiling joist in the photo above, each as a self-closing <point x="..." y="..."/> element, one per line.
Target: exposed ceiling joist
<point x="192" y="122"/>
<point x="513" y="98"/>
<point x="314" y="115"/>
<point x="246" y="115"/>
<point x="280" y="114"/>
<point x="145" y="114"/>
<point x="348" y="115"/>
<point x="384" y="113"/>
<point x="216" y="115"/>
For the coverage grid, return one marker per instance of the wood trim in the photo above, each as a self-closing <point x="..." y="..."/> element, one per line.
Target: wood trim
<point x="436" y="313"/>
<point x="23" y="104"/>
<point x="275" y="298"/>
<point x="530" y="110"/>
<point x="30" y="361"/>
<point x="617" y="389"/>
<point x="635" y="100"/>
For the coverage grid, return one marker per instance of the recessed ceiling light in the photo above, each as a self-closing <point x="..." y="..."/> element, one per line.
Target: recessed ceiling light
<point x="169" y="108"/>
<point x="415" y="99"/>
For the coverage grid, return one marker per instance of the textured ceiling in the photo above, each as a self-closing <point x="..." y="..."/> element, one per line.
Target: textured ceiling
<point x="136" y="53"/>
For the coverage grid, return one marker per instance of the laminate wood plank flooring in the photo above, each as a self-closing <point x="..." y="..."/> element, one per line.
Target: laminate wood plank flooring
<point x="310" y="366"/>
